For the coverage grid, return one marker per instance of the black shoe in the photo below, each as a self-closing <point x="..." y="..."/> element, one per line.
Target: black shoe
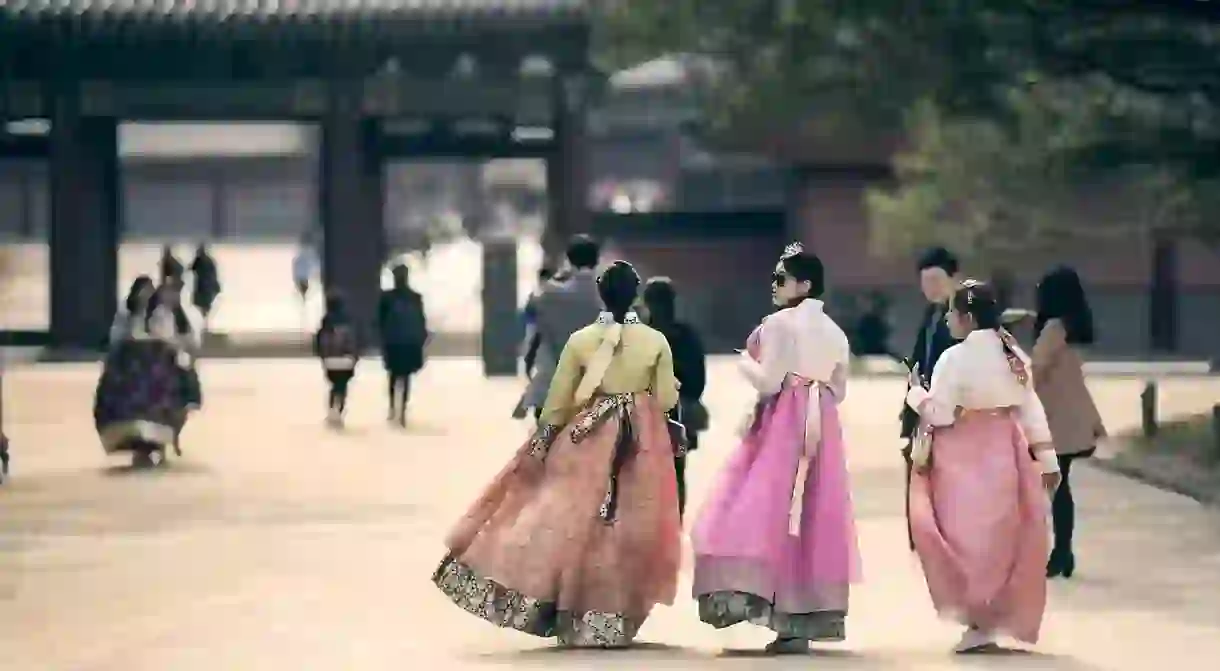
<point x="1061" y="565"/>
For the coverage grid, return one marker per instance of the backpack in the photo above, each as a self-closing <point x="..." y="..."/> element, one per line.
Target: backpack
<point x="403" y="320"/>
<point x="337" y="341"/>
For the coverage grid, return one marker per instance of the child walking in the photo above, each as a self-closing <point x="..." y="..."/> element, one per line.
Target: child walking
<point x="338" y="346"/>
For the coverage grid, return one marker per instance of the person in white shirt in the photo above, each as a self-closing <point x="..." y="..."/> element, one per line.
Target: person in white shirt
<point x="775" y="543"/>
<point x="983" y="464"/>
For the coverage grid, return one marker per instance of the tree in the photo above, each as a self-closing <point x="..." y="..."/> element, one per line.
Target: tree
<point x="1007" y="189"/>
<point x="1001" y="100"/>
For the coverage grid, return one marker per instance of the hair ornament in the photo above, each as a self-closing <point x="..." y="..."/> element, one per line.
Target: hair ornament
<point x="792" y="250"/>
<point x="969" y="286"/>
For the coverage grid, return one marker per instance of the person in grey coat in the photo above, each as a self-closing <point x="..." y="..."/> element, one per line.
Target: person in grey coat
<point x="566" y="304"/>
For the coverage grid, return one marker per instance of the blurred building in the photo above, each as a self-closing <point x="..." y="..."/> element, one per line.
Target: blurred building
<point x="647" y="132"/>
<point x="713" y="220"/>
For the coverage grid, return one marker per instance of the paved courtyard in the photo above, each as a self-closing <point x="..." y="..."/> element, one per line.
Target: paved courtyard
<point x="276" y="544"/>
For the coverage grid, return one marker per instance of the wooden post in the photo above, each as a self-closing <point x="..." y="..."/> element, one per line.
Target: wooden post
<point x="1148" y="408"/>
<point x="1216" y="430"/>
<point x="3" y="435"/>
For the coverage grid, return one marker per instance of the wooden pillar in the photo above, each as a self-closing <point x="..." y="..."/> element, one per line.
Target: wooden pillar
<point x="84" y="234"/>
<point x="501" y="337"/>
<point x="218" y="188"/>
<point x="25" y="206"/>
<point x="796" y="193"/>
<point x="350" y="190"/>
<point x="567" y="169"/>
<point x="1163" y="296"/>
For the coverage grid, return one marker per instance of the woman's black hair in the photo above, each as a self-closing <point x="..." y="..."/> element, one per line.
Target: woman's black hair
<point x="138" y="285"/>
<point x="182" y="325"/>
<point x="1060" y="295"/>
<point x="618" y="286"/>
<point x="806" y="267"/>
<point x="978" y="300"/>
<point x="938" y="257"/>
<point x="661" y="300"/>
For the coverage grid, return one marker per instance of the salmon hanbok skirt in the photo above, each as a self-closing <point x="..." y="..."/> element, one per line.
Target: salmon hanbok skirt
<point x="579" y="536"/>
<point x="979" y="522"/>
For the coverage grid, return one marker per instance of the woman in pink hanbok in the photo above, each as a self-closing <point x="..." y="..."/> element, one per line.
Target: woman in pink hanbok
<point x="983" y="464"/>
<point x="775" y="544"/>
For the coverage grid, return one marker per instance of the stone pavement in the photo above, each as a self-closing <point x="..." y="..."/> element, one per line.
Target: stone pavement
<point x="276" y="544"/>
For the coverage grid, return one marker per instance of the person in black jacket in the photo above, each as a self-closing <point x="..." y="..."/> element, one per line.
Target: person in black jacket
<point x="404" y="332"/>
<point x="690" y="368"/>
<point x="207" y="283"/>
<point x="938" y="279"/>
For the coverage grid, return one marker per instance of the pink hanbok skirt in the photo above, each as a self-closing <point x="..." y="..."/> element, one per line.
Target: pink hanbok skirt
<point x="749" y="567"/>
<point x="979" y="522"/>
<point x="579" y="536"/>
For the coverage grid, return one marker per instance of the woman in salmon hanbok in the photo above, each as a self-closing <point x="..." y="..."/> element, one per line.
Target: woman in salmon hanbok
<point x="978" y="498"/>
<point x="579" y="536"/>
<point x="775" y="544"/>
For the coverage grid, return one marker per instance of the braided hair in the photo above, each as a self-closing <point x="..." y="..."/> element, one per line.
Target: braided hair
<point x="618" y="286"/>
<point x="978" y="300"/>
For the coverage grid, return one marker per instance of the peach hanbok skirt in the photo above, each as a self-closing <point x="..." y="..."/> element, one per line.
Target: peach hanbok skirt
<point x="579" y="536"/>
<point x="979" y="521"/>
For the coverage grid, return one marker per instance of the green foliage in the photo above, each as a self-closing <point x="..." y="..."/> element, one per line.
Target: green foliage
<point x="1012" y="110"/>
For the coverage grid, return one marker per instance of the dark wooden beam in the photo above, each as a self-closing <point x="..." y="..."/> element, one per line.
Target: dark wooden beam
<point x="22" y="146"/>
<point x="449" y="145"/>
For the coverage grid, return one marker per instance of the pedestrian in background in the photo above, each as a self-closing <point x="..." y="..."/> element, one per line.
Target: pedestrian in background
<point x="690" y="368"/>
<point x="337" y="345"/>
<point x="1064" y="327"/>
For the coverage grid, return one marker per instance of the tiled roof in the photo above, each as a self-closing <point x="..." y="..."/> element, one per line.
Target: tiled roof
<point x="218" y="11"/>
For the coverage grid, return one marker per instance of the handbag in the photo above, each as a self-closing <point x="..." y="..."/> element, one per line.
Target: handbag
<point x="921" y="446"/>
<point x="693" y="415"/>
<point x="677" y="437"/>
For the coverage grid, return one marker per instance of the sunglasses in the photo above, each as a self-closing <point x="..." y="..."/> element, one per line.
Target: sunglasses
<point x="779" y="279"/>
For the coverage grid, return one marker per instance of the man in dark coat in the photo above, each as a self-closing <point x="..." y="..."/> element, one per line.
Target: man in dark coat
<point x="938" y="279"/>
<point x="207" y="283"/>
<point x="404" y="332"/>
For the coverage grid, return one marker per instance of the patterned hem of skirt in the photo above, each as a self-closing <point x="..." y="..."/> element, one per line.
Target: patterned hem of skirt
<point x="508" y="608"/>
<point x="115" y="436"/>
<point x="725" y="609"/>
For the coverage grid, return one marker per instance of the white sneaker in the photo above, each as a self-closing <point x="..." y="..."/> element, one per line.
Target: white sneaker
<point x="974" y="639"/>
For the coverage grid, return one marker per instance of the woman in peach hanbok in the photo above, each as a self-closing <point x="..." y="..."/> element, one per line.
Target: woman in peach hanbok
<point x="983" y="464"/>
<point x="775" y="545"/>
<point x="579" y="536"/>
